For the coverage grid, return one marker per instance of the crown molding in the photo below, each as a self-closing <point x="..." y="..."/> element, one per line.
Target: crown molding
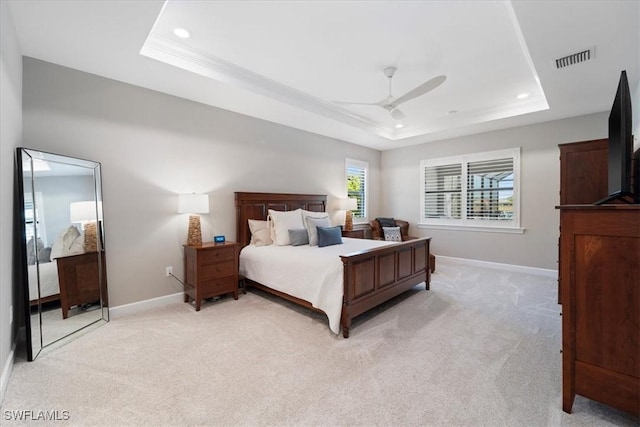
<point x="179" y="55"/>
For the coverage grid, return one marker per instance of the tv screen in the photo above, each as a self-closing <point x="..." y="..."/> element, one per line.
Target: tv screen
<point x="620" y="142"/>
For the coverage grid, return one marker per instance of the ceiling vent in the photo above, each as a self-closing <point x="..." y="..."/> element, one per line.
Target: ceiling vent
<point x="575" y="58"/>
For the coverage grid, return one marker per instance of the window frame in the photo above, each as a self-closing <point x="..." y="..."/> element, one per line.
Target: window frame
<point x="359" y="164"/>
<point x="473" y="224"/>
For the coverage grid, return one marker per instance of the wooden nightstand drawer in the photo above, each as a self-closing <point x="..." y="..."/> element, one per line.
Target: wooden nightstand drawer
<point x="219" y="286"/>
<point x="214" y="256"/>
<point x="214" y="271"/>
<point x="354" y="234"/>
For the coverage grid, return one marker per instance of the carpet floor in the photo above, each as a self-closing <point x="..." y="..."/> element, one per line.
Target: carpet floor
<point x="481" y="348"/>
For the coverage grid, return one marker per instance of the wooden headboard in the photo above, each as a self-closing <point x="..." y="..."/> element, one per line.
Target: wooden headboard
<point x="257" y="205"/>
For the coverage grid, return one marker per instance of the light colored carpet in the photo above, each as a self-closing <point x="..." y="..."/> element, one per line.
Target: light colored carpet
<point x="481" y="348"/>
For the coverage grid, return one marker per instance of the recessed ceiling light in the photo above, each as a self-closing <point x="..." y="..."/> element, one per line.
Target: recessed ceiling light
<point x="523" y="96"/>
<point x="399" y="125"/>
<point x="181" y="32"/>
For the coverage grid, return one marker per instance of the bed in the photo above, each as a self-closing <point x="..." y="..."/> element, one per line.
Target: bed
<point x="375" y="273"/>
<point x="49" y="287"/>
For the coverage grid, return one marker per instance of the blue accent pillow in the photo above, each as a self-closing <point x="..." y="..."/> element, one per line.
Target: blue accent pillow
<point x="328" y="236"/>
<point x="299" y="237"/>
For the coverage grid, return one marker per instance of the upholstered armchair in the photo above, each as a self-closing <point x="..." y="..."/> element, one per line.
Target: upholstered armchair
<point x="377" y="234"/>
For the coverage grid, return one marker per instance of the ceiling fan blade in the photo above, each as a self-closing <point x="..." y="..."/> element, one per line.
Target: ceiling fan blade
<point x="397" y="114"/>
<point x="421" y="90"/>
<point x="381" y="103"/>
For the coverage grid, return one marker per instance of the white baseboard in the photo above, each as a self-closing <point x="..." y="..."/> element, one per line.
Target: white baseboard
<point x="6" y="372"/>
<point x="498" y="266"/>
<point x="136" y="307"/>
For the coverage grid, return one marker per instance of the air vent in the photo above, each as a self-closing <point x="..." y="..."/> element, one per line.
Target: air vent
<point x="575" y="58"/>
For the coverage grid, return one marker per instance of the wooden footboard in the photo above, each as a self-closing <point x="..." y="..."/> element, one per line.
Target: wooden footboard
<point x="374" y="276"/>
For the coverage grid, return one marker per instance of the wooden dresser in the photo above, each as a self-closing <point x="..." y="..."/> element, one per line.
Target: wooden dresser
<point x="210" y="269"/>
<point x="583" y="172"/>
<point x="600" y="275"/>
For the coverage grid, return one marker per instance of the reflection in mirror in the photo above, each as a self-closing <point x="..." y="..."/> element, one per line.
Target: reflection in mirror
<point x="63" y="246"/>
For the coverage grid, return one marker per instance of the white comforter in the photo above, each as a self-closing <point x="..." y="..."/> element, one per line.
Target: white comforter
<point x="48" y="280"/>
<point x="307" y="272"/>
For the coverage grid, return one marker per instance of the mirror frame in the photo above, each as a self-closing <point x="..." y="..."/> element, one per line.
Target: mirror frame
<point x="24" y="154"/>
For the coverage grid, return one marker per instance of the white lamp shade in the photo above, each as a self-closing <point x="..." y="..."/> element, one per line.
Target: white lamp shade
<point x="85" y="211"/>
<point x="347" y="204"/>
<point x="193" y="203"/>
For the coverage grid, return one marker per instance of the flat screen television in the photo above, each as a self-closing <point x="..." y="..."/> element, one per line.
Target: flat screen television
<point x="620" y="146"/>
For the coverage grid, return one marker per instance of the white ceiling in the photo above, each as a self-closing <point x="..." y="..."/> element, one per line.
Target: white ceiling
<point x="295" y="62"/>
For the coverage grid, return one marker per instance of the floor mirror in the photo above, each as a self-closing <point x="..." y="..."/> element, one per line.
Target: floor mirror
<point x="62" y="257"/>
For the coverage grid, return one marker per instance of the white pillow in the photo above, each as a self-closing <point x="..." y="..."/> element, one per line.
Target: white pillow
<point x="283" y="222"/>
<point x="64" y="241"/>
<point x="260" y="232"/>
<point x="312" y="228"/>
<point x="313" y="214"/>
<point x="77" y="247"/>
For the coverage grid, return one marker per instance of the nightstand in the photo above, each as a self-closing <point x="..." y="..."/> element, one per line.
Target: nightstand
<point x="354" y="234"/>
<point x="210" y="270"/>
<point x="79" y="280"/>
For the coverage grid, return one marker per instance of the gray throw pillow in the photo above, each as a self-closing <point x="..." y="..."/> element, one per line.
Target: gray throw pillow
<point x="299" y="237"/>
<point x="328" y="236"/>
<point x="392" y="234"/>
<point x="312" y="224"/>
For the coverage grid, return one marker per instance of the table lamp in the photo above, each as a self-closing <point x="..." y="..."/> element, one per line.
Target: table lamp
<point x="348" y="204"/>
<point x="87" y="213"/>
<point x="193" y="204"/>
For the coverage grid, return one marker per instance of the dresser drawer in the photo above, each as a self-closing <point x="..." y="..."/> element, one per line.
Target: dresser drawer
<point x="213" y="271"/>
<point x="219" y="286"/>
<point x="214" y="256"/>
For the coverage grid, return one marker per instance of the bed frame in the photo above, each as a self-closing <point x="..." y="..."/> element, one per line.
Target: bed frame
<point x="371" y="277"/>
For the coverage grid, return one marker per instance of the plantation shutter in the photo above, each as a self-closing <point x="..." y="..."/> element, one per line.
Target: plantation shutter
<point x="356" y="188"/>
<point x="490" y="189"/>
<point x="443" y="191"/>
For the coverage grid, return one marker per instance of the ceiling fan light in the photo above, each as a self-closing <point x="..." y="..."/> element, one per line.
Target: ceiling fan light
<point x="181" y="32"/>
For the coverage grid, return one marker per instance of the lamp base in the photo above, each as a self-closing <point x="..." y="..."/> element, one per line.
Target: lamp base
<point x="91" y="237"/>
<point x="195" y="234"/>
<point x="348" y="221"/>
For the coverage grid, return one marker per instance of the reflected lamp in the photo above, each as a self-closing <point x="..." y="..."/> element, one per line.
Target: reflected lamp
<point x="87" y="213"/>
<point x="193" y="204"/>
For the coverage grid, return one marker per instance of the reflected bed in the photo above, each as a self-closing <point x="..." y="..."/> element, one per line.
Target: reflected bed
<point x="49" y="287"/>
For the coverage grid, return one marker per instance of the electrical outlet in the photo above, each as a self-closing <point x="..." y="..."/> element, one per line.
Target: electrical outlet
<point x="168" y="271"/>
<point x="10" y="314"/>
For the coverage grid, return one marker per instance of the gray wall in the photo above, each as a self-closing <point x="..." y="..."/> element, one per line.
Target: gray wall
<point x="10" y="136"/>
<point x="540" y="179"/>
<point x="154" y="146"/>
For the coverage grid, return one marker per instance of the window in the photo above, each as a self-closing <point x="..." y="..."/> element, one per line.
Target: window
<point x="475" y="190"/>
<point x="357" y="186"/>
<point x="34" y="218"/>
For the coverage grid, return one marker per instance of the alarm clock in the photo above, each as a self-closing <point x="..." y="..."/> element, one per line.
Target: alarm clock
<point x="218" y="239"/>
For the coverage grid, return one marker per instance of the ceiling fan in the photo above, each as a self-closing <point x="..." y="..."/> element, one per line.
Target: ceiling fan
<point x="390" y="104"/>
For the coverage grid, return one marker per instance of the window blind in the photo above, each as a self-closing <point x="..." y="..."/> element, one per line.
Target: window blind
<point x="490" y="189"/>
<point x="357" y="186"/>
<point x="443" y="191"/>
